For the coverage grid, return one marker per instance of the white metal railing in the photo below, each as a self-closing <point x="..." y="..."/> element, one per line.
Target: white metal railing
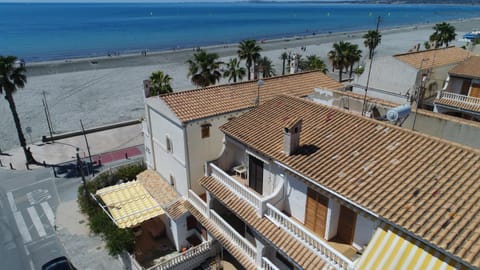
<point x="234" y="236"/>
<point x="189" y="259"/>
<point x="250" y="196"/>
<point x="198" y="203"/>
<point x="461" y="98"/>
<point x="268" y="265"/>
<point x="336" y="258"/>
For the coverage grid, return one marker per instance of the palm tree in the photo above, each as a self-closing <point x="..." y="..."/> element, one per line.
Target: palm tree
<point x="284" y="58"/>
<point x="12" y="76"/>
<point x="234" y="71"/>
<point x="204" y="68"/>
<point x="250" y="51"/>
<point x="372" y="40"/>
<point x="160" y="83"/>
<point x="339" y="57"/>
<point x="313" y="62"/>
<point x="444" y="33"/>
<point x="354" y="54"/>
<point x="266" y="66"/>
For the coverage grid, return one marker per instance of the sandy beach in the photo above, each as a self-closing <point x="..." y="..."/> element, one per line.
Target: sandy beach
<point x="109" y="89"/>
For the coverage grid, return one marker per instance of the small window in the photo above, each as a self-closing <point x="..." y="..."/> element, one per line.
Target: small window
<point x="169" y="145"/>
<point x="206" y="130"/>
<point x="172" y="180"/>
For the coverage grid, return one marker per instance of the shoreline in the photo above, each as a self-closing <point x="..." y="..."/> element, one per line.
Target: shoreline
<point x="137" y="59"/>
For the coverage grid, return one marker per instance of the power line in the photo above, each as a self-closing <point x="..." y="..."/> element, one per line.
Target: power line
<point x="364" y="107"/>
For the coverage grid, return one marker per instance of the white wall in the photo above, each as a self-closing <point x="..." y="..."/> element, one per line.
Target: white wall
<point x="333" y="215"/>
<point x="147" y="142"/>
<point x="296" y="197"/>
<point x="200" y="150"/>
<point x="364" y="229"/>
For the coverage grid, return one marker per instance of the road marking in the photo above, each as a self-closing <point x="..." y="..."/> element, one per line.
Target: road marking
<point x="11" y="201"/>
<point x="22" y="227"/>
<point x="49" y="212"/>
<point x="36" y="221"/>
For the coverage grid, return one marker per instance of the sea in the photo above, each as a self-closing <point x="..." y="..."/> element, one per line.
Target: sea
<point x="55" y="31"/>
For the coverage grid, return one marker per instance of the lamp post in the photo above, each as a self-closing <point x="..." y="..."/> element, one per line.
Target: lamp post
<point x="260" y="84"/>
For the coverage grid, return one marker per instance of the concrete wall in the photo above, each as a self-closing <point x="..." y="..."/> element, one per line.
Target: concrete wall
<point x="295" y="197"/>
<point x="333" y="215"/>
<point x="390" y="79"/>
<point x="364" y="229"/>
<point x="200" y="150"/>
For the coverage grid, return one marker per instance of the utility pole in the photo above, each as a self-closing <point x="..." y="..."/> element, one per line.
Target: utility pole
<point x="82" y="174"/>
<point x="364" y="107"/>
<point x="88" y="147"/>
<point x="47" y="114"/>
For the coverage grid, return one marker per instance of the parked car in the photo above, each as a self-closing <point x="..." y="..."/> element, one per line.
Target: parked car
<point x="60" y="263"/>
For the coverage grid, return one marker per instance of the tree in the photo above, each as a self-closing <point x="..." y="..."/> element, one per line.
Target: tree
<point x="427" y="45"/>
<point x="12" y="76"/>
<point x="204" y="68"/>
<point x="284" y="57"/>
<point x="339" y="57"/>
<point x="313" y="62"/>
<point x="372" y="39"/>
<point x="234" y="71"/>
<point x="266" y="66"/>
<point x="160" y="83"/>
<point x="250" y="51"/>
<point x="353" y="55"/>
<point x="444" y="33"/>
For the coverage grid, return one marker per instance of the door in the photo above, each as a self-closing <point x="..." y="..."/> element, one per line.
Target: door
<point x="316" y="212"/>
<point x="255" y="174"/>
<point x="346" y="225"/>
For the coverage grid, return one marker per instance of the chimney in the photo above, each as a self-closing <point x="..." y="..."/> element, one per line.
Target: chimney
<point x="146" y="88"/>
<point x="291" y="135"/>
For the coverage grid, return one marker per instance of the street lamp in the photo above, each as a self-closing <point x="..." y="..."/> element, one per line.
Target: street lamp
<point x="260" y="84"/>
<point x="80" y="167"/>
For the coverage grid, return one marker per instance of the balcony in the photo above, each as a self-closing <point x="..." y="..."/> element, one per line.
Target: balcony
<point x="321" y="248"/>
<point x="457" y="101"/>
<point x="238" y="186"/>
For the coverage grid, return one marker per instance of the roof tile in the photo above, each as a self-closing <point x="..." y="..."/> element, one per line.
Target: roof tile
<point x="434" y="58"/>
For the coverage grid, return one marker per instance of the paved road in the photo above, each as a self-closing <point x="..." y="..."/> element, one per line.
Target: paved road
<point x="29" y="200"/>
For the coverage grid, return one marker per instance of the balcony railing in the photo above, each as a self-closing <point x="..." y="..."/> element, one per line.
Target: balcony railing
<point x="268" y="265"/>
<point x="313" y="242"/>
<point x="234" y="236"/>
<point x="460" y="98"/>
<point x="250" y="196"/>
<point x="198" y="203"/>
<point x="189" y="259"/>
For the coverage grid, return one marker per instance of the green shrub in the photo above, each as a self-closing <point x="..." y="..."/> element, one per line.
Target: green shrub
<point x="128" y="173"/>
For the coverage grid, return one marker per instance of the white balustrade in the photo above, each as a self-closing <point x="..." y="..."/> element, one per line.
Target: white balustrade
<point x="268" y="265"/>
<point x="313" y="242"/>
<point x="461" y="98"/>
<point x="191" y="258"/>
<point x="198" y="203"/>
<point x="250" y="196"/>
<point x="234" y="236"/>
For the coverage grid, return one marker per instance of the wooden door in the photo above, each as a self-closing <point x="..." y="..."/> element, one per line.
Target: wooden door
<point x="346" y="225"/>
<point x="255" y="174"/>
<point x="316" y="212"/>
<point x="475" y="90"/>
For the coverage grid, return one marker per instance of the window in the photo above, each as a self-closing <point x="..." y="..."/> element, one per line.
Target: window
<point x="206" y="130"/>
<point x="169" y="145"/>
<point x="191" y="222"/>
<point x="172" y="180"/>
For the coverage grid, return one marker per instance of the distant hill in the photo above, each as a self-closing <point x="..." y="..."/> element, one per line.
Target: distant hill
<point x="457" y="2"/>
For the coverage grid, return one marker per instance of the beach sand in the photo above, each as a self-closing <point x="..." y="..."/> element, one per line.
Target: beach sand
<point x="109" y="89"/>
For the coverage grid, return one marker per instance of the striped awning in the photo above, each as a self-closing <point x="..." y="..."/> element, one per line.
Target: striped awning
<point x="390" y="249"/>
<point x="129" y="204"/>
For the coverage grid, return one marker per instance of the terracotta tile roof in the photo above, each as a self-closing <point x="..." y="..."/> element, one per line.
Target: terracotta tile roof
<point x="158" y="188"/>
<point x="469" y="106"/>
<point x="434" y="57"/>
<point x="176" y="209"/>
<point x="428" y="186"/>
<point x="235" y="251"/>
<point x="469" y="68"/>
<point x="215" y="100"/>
<point x="292" y="247"/>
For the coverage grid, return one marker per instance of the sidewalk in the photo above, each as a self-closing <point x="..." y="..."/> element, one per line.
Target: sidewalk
<point x="103" y="142"/>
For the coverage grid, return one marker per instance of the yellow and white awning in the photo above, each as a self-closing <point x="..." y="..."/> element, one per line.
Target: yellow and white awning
<point x="390" y="249"/>
<point x="129" y="204"/>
